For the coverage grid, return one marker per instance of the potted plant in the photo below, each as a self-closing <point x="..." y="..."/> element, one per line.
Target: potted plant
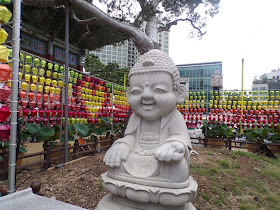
<point x="217" y="131"/>
<point x="255" y="134"/>
<point x="275" y="138"/>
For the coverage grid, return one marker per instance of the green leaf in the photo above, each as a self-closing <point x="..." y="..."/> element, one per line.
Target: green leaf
<point x="106" y="120"/>
<point x="32" y="128"/>
<point x="46" y="131"/>
<point x="22" y="150"/>
<point x="81" y="129"/>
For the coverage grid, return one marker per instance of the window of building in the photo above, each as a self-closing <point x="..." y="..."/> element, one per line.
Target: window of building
<point x="165" y="46"/>
<point x="109" y="48"/>
<point x="119" y="58"/>
<point x="166" y="37"/>
<point x="103" y="60"/>
<point x="103" y="56"/>
<point x="113" y="57"/>
<point x="108" y="56"/>
<point x="119" y="49"/>
<point x="165" y="50"/>
<point x="165" y="42"/>
<point x="124" y="54"/>
<point x="108" y="52"/>
<point x="124" y="58"/>
<point x="114" y="53"/>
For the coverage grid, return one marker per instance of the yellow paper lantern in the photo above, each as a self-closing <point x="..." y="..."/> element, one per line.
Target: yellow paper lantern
<point x="27" y="77"/>
<point x="54" y="83"/>
<point x="57" y="90"/>
<point x="42" y="80"/>
<point x="32" y="87"/>
<point x="24" y="85"/>
<point x="47" y="89"/>
<point x="60" y="83"/>
<point x="40" y="88"/>
<point x="34" y="79"/>
<point x="48" y="81"/>
<point x="52" y="90"/>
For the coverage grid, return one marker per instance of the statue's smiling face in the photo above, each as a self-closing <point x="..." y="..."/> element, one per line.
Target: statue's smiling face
<point x="151" y="95"/>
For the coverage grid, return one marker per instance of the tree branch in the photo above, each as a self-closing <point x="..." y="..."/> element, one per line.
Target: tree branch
<point x="130" y="30"/>
<point x="169" y="25"/>
<point x="86" y="22"/>
<point x="142" y="39"/>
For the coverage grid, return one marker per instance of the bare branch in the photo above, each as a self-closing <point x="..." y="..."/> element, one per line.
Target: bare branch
<point x="86" y="22"/>
<point x="169" y="25"/>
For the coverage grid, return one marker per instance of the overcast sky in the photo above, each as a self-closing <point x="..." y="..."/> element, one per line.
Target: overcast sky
<point x="248" y="29"/>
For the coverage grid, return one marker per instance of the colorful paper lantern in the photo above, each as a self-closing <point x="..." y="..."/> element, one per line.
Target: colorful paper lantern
<point x="47" y="89"/>
<point x="52" y="90"/>
<point x="39" y="104"/>
<point x="4" y="113"/>
<point x="34" y="71"/>
<point x="41" y="72"/>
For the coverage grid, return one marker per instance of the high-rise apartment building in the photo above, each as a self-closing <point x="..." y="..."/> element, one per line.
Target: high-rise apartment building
<point x="199" y="74"/>
<point x="125" y="54"/>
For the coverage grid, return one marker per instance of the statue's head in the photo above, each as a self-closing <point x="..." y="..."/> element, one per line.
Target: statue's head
<point x="154" y="85"/>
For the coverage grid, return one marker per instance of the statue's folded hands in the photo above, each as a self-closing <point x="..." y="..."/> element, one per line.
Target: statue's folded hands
<point x="171" y="151"/>
<point x="116" y="154"/>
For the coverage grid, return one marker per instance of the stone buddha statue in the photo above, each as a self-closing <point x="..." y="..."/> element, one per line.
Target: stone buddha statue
<point x="149" y="167"/>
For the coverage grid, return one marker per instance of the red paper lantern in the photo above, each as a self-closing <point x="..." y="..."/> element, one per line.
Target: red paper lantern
<point x="45" y="121"/>
<point x="46" y="105"/>
<point x="45" y="97"/>
<point x="30" y="96"/>
<point x="57" y="121"/>
<point x="57" y="97"/>
<point x="58" y="105"/>
<point x="32" y="104"/>
<point x="48" y="113"/>
<point x="5" y="130"/>
<point x="41" y="113"/>
<point x="33" y="112"/>
<point x="38" y="96"/>
<point x="25" y="112"/>
<point x="24" y="103"/>
<point x="4" y="113"/>
<point x="52" y="106"/>
<point x="5" y="71"/>
<point x="51" y="97"/>
<point x="59" y="113"/>
<point x="5" y="93"/>
<point x="53" y="113"/>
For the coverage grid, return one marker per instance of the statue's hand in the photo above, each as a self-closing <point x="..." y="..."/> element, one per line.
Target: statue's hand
<point x="171" y="151"/>
<point x="116" y="154"/>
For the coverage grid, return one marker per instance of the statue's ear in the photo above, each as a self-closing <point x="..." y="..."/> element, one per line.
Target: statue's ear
<point x="181" y="93"/>
<point x="128" y="92"/>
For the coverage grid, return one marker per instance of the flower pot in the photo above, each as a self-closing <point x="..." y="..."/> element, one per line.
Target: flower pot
<point x="276" y="147"/>
<point x="216" y="144"/>
<point x="251" y="147"/>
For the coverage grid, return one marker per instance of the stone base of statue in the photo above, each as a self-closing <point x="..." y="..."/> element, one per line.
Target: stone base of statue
<point x="128" y="196"/>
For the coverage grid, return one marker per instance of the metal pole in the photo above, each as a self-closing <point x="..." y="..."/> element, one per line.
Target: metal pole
<point x="112" y="111"/>
<point x="66" y="80"/>
<point x="242" y="95"/>
<point x="14" y="96"/>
